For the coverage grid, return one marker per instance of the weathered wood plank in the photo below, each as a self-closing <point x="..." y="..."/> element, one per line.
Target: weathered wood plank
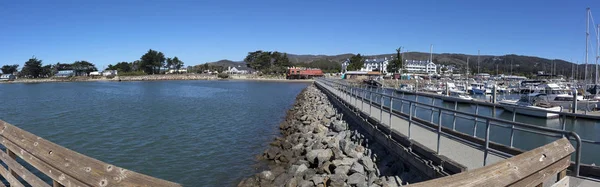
<point x="564" y="182"/>
<point x="78" y="166"/>
<point x="545" y="174"/>
<point x="561" y="175"/>
<point x="21" y="171"/>
<point x="56" y="184"/>
<point x="508" y="171"/>
<point x="12" y="180"/>
<point x="42" y="166"/>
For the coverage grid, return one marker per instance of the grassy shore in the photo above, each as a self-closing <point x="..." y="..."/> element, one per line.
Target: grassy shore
<point x="158" y="78"/>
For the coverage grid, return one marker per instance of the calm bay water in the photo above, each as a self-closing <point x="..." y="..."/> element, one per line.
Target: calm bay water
<point x="197" y="133"/>
<point x="585" y="128"/>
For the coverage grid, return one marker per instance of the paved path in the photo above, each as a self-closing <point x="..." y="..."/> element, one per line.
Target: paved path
<point x="466" y="155"/>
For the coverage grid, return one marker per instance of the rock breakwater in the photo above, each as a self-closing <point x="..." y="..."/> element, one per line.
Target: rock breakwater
<point x="318" y="148"/>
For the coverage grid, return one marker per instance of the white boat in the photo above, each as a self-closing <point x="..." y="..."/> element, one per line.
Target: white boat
<point x="480" y="88"/>
<point x="560" y="96"/>
<point x="457" y="95"/>
<point x="432" y="89"/>
<point x="406" y="87"/>
<point x="531" y="105"/>
<point x="502" y="89"/>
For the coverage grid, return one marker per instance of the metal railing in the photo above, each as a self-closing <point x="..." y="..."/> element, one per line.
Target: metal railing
<point x="377" y="97"/>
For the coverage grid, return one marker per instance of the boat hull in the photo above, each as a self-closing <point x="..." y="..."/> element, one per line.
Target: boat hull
<point x="532" y="110"/>
<point x="479" y="91"/>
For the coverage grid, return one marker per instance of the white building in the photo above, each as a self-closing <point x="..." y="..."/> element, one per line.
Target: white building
<point x="417" y="66"/>
<point x="239" y="70"/>
<point x="369" y="65"/>
<point x="182" y="70"/>
<point x="108" y="73"/>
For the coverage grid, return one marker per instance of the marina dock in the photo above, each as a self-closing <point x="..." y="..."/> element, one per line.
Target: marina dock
<point x="435" y="137"/>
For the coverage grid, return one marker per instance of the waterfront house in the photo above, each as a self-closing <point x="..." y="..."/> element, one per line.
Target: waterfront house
<point x="303" y="73"/>
<point x="108" y="73"/>
<point x="239" y="70"/>
<point x="418" y="66"/>
<point x="65" y="73"/>
<point x="182" y="70"/>
<point x="7" y="77"/>
<point x="378" y="64"/>
<point x="95" y="73"/>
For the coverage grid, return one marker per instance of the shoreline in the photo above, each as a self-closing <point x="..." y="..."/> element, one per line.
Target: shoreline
<point x="154" y="78"/>
<point x="316" y="147"/>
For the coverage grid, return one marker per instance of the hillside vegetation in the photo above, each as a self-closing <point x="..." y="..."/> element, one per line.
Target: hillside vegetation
<point x="521" y="65"/>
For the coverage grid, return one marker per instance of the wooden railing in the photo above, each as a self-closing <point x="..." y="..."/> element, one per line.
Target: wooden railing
<point x="64" y="166"/>
<point x="546" y="164"/>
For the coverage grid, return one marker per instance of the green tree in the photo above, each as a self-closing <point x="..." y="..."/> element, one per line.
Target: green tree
<point x="396" y="64"/>
<point x="169" y="63"/>
<point x="32" y="68"/>
<point x="9" y="69"/>
<point x="152" y="60"/>
<point x="47" y="71"/>
<point x="444" y="69"/>
<point x="121" y="67"/>
<point x="356" y="62"/>
<point x="259" y="60"/>
<point x="175" y="63"/>
<point x="81" y="67"/>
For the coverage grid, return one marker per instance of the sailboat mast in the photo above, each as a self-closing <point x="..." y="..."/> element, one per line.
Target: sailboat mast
<point x="467" y="67"/>
<point x="597" y="52"/>
<point x="431" y="53"/>
<point x="587" y="36"/>
<point x="478" y="62"/>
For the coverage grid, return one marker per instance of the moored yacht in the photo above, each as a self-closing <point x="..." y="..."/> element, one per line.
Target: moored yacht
<point x="561" y="96"/>
<point x="531" y="105"/>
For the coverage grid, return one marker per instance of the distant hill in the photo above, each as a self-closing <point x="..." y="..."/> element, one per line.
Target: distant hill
<point x="521" y="65"/>
<point x="227" y="63"/>
<point x="311" y="58"/>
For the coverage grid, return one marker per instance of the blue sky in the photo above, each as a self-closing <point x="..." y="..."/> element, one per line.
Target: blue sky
<point x="106" y="32"/>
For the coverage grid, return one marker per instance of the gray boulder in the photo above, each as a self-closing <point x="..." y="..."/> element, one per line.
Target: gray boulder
<point x="267" y="175"/>
<point x="357" y="179"/>
<point x="339" y="126"/>
<point x="338" y="179"/>
<point x="342" y="170"/>
<point x="317" y="179"/>
<point x="357" y="168"/>
<point x="300" y="170"/>
<point x="368" y="163"/>
<point x="305" y="183"/>
<point x="272" y="152"/>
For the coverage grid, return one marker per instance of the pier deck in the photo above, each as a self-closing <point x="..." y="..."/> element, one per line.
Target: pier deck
<point x="474" y="154"/>
<point x="466" y="155"/>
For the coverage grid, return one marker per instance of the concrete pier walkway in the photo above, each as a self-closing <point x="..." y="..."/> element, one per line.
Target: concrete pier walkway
<point x="467" y="155"/>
